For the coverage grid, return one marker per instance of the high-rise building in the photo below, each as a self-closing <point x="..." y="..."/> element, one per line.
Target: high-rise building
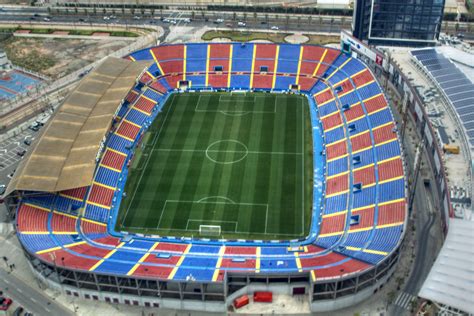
<point x="398" y="22"/>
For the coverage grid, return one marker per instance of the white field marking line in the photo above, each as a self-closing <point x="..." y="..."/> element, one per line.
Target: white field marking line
<point x="211" y="221"/>
<point x="266" y="220"/>
<point x="239" y="232"/>
<point x="246" y="152"/>
<point x="302" y="168"/>
<point x="229" y="151"/>
<point x="221" y="203"/>
<point x="211" y="202"/>
<point x="216" y="197"/>
<point x="161" y="215"/>
<point x="148" y="159"/>
<point x="235" y="113"/>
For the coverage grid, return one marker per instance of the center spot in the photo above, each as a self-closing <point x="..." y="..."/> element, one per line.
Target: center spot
<point x="226" y="151"/>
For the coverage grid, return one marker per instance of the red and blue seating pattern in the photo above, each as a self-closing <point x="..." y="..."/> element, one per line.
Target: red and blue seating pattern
<point x="359" y="222"/>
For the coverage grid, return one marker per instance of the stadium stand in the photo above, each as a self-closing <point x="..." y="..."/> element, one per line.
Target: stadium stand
<point x="362" y="214"/>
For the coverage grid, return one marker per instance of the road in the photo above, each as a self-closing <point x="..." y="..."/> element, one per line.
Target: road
<point x="29" y="297"/>
<point x="425" y="217"/>
<point x="295" y="24"/>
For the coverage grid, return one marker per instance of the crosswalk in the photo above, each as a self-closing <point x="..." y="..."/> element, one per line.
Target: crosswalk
<point x="404" y="299"/>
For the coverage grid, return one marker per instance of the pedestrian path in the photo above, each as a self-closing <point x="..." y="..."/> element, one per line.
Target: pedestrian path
<point x="404" y="300"/>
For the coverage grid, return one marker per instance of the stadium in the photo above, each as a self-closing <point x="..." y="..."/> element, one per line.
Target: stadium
<point x="187" y="175"/>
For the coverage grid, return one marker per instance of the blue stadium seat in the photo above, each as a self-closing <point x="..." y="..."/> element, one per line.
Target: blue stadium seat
<point x="264" y="251"/>
<point x="357" y="239"/>
<point x="336" y="204"/>
<point x="240" y="81"/>
<point x="284" y="82"/>
<point x="204" y="249"/>
<point x="363" y="198"/>
<point x="96" y="213"/>
<point x="152" y="94"/>
<point x="349" y="98"/>
<point x="36" y="243"/>
<point x="143" y="54"/>
<point x="388" y="150"/>
<point x="197" y="81"/>
<point x="327" y="108"/>
<point x="242" y="58"/>
<point x="392" y="190"/>
<point x="119" y="143"/>
<point x="115" y="267"/>
<point x="337" y="166"/>
<point x="334" y="135"/>
<point x="327" y="242"/>
<point x="278" y="264"/>
<point x="385" y="239"/>
<point x="107" y="177"/>
<point x="136" y="117"/>
<point x="381" y="117"/>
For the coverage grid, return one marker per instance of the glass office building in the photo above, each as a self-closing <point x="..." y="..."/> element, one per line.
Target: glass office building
<point x="398" y="22"/>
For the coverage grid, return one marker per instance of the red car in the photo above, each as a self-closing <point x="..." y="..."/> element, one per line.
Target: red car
<point x="5" y="303"/>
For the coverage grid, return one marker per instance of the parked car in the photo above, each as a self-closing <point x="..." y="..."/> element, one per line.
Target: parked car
<point x="3" y="188"/>
<point x="28" y="141"/>
<point x="274" y="27"/>
<point x="47" y="19"/>
<point x="136" y="17"/>
<point x="21" y="152"/>
<point x="173" y="22"/>
<point x="187" y="20"/>
<point x="5" y="303"/>
<point x="241" y="23"/>
<point x="18" y="311"/>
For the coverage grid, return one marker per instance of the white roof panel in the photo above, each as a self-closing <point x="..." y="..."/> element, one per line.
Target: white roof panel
<point x="451" y="279"/>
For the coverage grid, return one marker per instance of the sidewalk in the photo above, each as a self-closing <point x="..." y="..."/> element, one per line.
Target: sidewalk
<point x="11" y="249"/>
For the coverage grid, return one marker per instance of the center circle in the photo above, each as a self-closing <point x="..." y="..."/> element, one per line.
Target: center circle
<point x="226" y="151"/>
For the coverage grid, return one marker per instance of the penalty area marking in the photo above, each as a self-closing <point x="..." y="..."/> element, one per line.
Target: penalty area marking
<point x="235" y="112"/>
<point x="224" y="201"/>
<point x="203" y="221"/>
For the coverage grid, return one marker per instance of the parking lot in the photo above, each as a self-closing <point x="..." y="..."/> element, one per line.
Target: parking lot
<point x="9" y="149"/>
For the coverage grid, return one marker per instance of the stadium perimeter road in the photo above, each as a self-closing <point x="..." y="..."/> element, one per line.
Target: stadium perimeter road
<point x="427" y="234"/>
<point x="30" y="298"/>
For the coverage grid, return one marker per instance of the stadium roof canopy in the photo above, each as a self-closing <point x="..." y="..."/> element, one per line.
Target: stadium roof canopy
<point x="450" y="281"/>
<point x="64" y="157"/>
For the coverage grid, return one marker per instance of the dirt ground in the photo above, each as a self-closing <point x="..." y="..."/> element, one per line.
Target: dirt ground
<point x="57" y="57"/>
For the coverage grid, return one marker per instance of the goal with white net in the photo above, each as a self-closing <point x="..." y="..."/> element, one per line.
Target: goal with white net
<point x="209" y="230"/>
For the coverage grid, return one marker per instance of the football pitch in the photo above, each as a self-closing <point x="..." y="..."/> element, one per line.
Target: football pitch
<point x="222" y="165"/>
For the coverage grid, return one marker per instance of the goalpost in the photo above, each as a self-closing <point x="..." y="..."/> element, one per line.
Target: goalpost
<point x="210" y="230"/>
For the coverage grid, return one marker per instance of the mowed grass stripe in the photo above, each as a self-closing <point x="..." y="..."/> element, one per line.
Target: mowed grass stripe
<point x="176" y="214"/>
<point x="259" y="179"/>
<point x="139" y="202"/>
<point x="192" y="171"/>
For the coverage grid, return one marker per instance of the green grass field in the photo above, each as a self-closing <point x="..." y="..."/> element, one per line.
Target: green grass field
<point x="239" y="161"/>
